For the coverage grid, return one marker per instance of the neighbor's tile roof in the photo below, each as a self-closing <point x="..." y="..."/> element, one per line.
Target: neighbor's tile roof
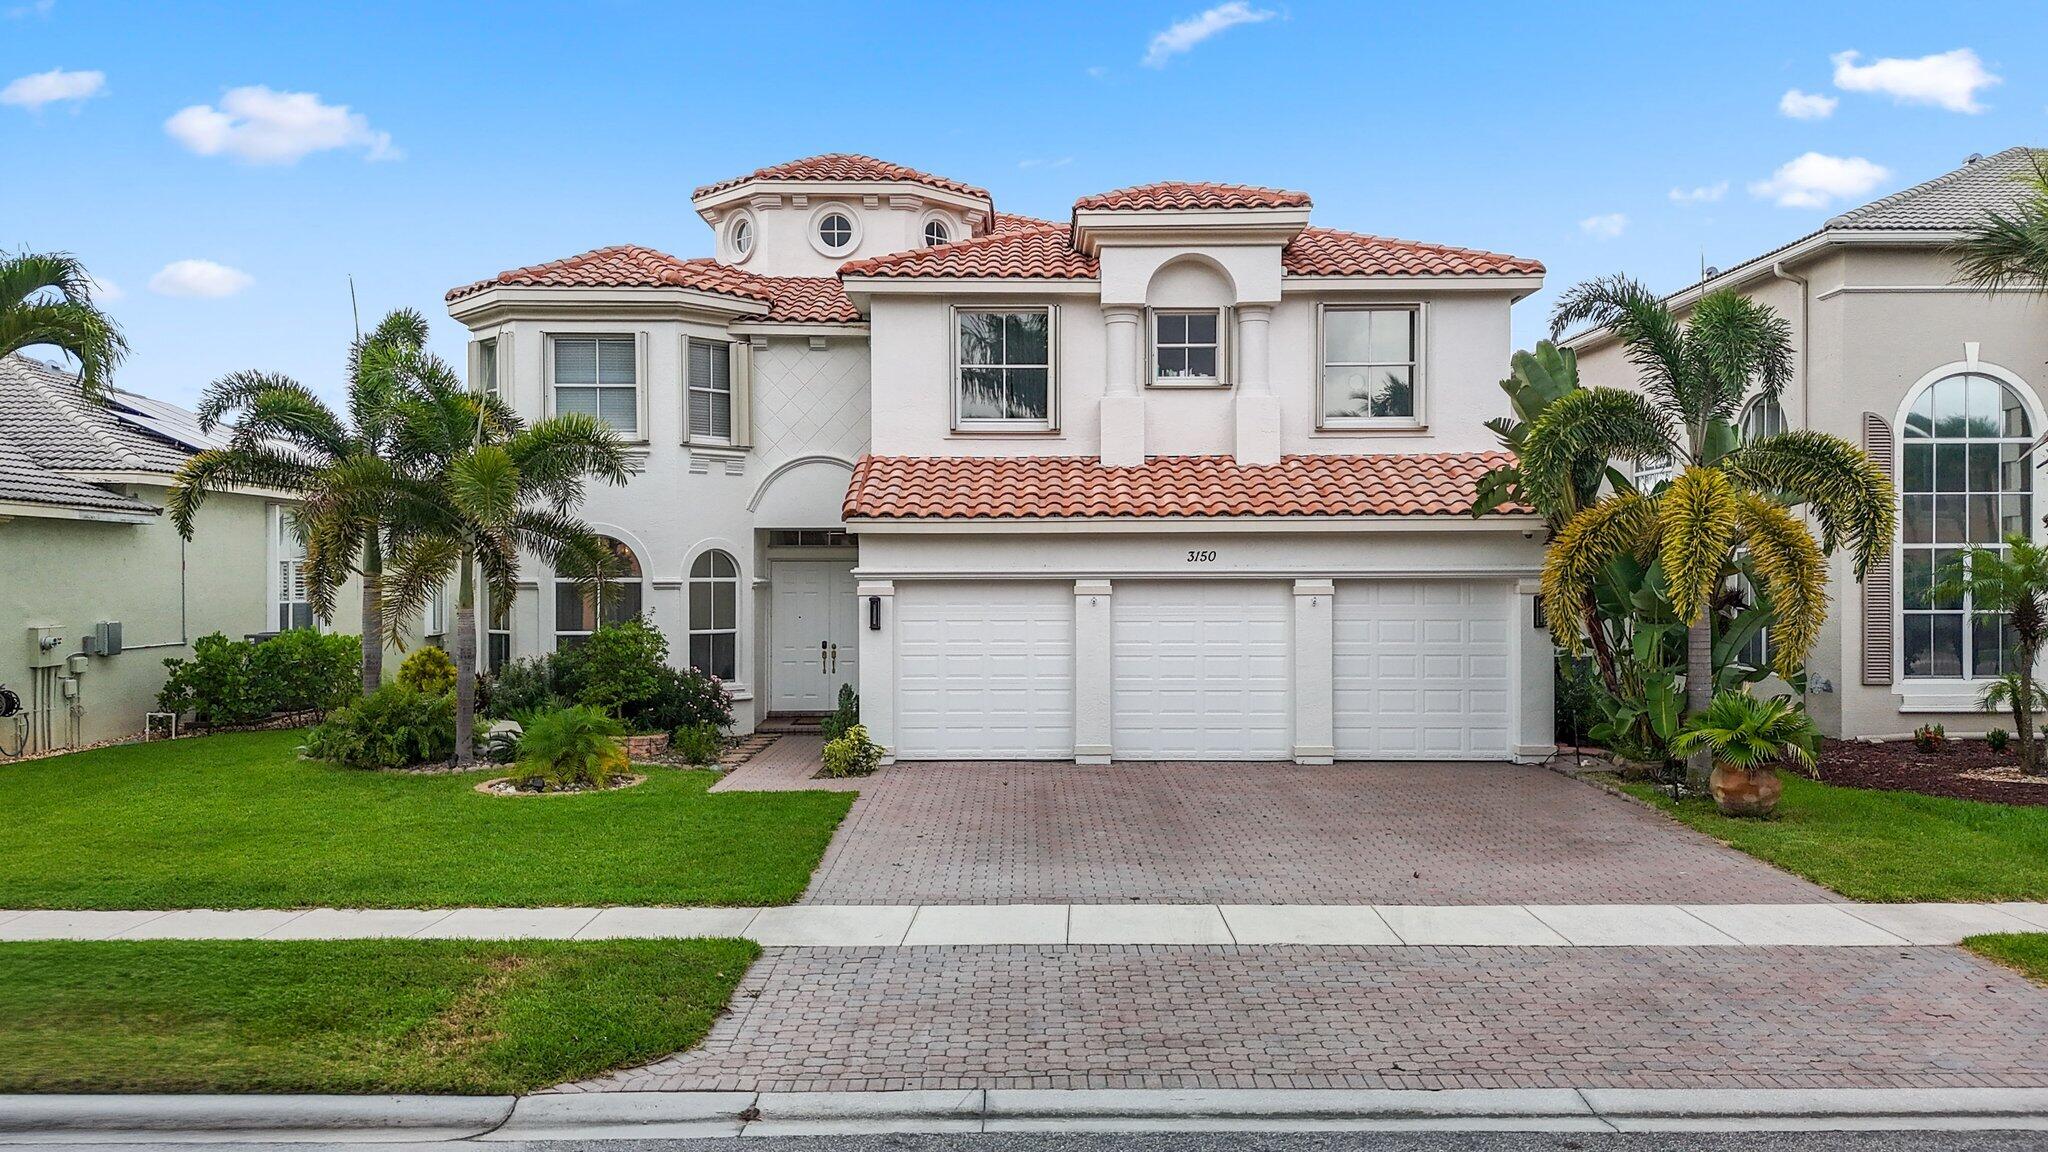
<point x="1177" y="195"/>
<point x="1058" y="487"/>
<point x="845" y="166"/>
<point x="1048" y="253"/>
<point x="48" y="429"/>
<point x="790" y="299"/>
<point x="1952" y="200"/>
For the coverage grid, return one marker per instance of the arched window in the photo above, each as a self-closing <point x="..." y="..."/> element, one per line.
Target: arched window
<point x="580" y="608"/>
<point x="1965" y="477"/>
<point x="715" y="615"/>
<point x="742" y="237"/>
<point x="936" y="233"/>
<point x="1761" y="420"/>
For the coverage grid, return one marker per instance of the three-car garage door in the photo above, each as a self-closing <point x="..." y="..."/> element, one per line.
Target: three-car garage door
<point x="985" y="671"/>
<point x="1201" y="671"/>
<point x="1421" y="669"/>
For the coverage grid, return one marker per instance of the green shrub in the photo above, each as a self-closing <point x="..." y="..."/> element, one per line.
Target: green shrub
<point x="844" y="717"/>
<point x="1997" y="739"/>
<point x="240" y="682"/>
<point x="428" y="670"/>
<point x="523" y="687"/>
<point x="570" y="747"/>
<point x="698" y="743"/>
<point x="852" y="754"/>
<point x="1930" y="738"/>
<point x="623" y="668"/>
<point x="393" y="727"/>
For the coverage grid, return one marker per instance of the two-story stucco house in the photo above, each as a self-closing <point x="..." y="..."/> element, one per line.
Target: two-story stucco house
<point x="1943" y="385"/>
<point x="1182" y="476"/>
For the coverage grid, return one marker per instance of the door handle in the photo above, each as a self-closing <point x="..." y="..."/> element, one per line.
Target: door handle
<point x="835" y="657"/>
<point x="822" y="646"/>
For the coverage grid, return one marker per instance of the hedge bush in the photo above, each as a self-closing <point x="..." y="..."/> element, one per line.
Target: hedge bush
<point x="228" y="682"/>
<point x="393" y="727"/>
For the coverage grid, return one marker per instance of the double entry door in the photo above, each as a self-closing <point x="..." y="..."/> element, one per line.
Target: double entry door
<point x="816" y="624"/>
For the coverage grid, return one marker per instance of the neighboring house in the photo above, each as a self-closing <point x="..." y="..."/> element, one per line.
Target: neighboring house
<point x="1943" y="385"/>
<point x="1182" y="477"/>
<point x="84" y="544"/>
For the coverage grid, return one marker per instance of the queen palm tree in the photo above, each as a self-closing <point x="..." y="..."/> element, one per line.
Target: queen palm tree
<point x="287" y="438"/>
<point x="2009" y="249"/>
<point x="46" y="299"/>
<point x="476" y="488"/>
<point x="1728" y="499"/>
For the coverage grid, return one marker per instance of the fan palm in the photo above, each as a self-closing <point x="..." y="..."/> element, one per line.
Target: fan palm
<point x="1730" y="498"/>
<point x="2013" y="581"/>
<point x="287" y="438"/>
<point x="2009" y="250"/>
<point x="476" y="488"/>
<point x="46" y="299"/>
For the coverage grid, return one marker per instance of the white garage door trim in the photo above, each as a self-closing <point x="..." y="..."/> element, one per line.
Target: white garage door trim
<point x="984" y="671"/>
<point x="1422" y="669"/>
<point x="1202" y="670"/>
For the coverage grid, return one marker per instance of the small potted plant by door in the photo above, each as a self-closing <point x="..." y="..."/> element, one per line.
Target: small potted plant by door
<point x="1749" y="738"/>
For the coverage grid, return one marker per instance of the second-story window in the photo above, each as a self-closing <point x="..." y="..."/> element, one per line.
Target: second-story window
<point x="1186" y="347"/>
<point x="710" y="390"/>
<point x="487" y="367"/>
<point x="1370" y="367"/>
<point x="1003" y="369"/>
<point x="936" y="233"/>
<point x="599" y="376"/>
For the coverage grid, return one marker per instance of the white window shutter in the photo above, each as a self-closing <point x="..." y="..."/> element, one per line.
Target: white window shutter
<point x="683" y="358"/>
<point x="1880" y="618"/>
<point x="476" y="365"/>
<point x="742" y="369"/>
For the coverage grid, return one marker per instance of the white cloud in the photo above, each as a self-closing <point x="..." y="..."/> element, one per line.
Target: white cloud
<point x="54" y="86"/>
<point x="1704" y="194"/>
<point x="1045" y="162"/>
<point x="261" y="126"/>
<point x="1814" y="180"/>
<point x="33" y="8"/>
<point x="1185" y="34"/>
<point x="1946" y="79"/>
<point x="1806" y="105"/>
<point x="1605" y="226"/>
<point x="200" y="278"/>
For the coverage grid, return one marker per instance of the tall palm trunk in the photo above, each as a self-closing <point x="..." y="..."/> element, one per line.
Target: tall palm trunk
<point x="2026" y="625"/>
<point x="465" y="663"/>
<point x="1699" y="691"/>
<point x="373" y="615"/>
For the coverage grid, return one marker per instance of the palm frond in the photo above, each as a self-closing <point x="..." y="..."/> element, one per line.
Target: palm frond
<point x="1849" y="495"/>
<point x="1696" y="527"/>
<point x="1650" y="335"/>
<point x="1590" y="427"/>
<point x="1793" y="573"/>
<point x="2009" y="250"/>
<point x="223" y="469"/>
<point x="1616" y="526"/>
<point x="1738" y="341"/>
<point x="74" y="326"/>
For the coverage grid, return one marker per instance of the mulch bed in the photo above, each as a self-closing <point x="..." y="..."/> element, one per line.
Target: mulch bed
<point x="1959" y="771"/>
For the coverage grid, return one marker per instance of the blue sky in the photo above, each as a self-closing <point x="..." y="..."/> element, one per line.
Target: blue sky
<point x="210" y="175"/>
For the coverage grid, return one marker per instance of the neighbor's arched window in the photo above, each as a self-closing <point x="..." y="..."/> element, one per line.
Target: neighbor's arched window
<point x="714" y="615"/>
<point x="1761" y="420"/>
<point x="1965" y="478"/>
<point x="580" y="608"/>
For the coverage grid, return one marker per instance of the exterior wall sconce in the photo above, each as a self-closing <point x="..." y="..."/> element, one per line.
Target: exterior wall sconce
<point x="1542" y="625"/>
<point x="874" y="613"/>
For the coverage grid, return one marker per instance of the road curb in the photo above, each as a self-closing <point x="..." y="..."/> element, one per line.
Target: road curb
<point x="671" y="1115"/>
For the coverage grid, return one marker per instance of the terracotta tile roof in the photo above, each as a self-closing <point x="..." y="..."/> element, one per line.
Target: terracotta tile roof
<point x="1043" y="487"/>
<point x="1179" y="195"/>
<point x="1328" y="252"/>
<point x="1012" y="222"/>
<point x="845" y="166"/>
<point x="1045" y="253"/>
<point x="790" y="299"/>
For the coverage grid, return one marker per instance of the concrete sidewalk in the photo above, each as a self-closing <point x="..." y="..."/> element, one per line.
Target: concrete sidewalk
<point x="890" y="926"/>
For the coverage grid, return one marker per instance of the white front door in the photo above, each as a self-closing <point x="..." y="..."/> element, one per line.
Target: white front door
<point x="815" y="617"/>
<point x="1202" y="671"/>
<point x="984" y="671"/>
<point x="1421" y="669"/>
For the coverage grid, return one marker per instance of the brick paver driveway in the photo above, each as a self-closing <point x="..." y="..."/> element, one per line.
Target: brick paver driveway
<point x="1180" y="833"/>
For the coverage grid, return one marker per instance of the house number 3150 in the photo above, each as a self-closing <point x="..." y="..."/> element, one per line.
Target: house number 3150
<point x="1201" y="555"/>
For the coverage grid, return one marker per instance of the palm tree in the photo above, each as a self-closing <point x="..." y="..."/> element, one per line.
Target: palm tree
<point x="1747" y="739"/>
<point x="476" y="488"/>
<point x="46" y="298"/>
<point x="1730" y="497"/>
<point x="2009" y="250"/>
<point x="2013" y="581"/>
<point x="288" y="439"/>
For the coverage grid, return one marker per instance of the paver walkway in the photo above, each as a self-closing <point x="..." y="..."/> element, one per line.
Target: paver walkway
<point x="998" y="833"/>
<point x="1364" y="1017"/>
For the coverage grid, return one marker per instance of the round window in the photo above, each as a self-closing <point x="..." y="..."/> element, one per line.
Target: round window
<point x="835" y="230"/>
<point x="742" y="236"/>
<point x="935" y="233"/>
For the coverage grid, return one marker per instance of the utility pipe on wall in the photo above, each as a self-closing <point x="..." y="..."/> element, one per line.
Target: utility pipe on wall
<point x="1799" y="327"/>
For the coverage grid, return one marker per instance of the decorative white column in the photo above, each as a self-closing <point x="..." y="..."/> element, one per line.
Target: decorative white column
<point x="1258" y="410"/>
<point x="878" y="664"/>
<point x="1314" y="667"/>
<point x="1092" y="666"/>
<point x="1535" y="664"/>
<point x="1123" y="405"/>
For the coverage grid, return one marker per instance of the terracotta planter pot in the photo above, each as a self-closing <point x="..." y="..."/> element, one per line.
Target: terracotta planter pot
<point x="1745" y="791"/>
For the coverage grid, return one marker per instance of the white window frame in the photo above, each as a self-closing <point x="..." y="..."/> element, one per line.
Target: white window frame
<point x="556" y="580"/>
<point x="492" y="631"/>
<point x="742" y="223"/>
<point x="286" y="584"/>
<point x="1221" y="377"/>
<point x="817" y="225"/>
<point x="692" y="582"/>
<point x="1051" y="422"/>
<point x="1418" y="368"/>
<point x="1752" y="412"/>
<point x="691" y="389"/>
<point x="638" y="435"/>
<point x="925" y="231"/>
<point x="487" y="367"/>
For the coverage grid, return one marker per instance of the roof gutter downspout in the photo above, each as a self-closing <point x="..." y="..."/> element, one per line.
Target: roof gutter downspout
<point x="1799" y="326"/>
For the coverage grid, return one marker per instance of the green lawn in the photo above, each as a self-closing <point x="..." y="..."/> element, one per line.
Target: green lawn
<point x="1887" y="846"/>
<point x="238" y="821"/>
<point x="2026" y="951"/>
<point x="350" y="1016"/>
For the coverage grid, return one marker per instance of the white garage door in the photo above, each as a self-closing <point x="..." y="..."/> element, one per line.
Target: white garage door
<point x="1421" y="669"/>
<point x="984" y="671"/>
<point x="1202" y="671"/>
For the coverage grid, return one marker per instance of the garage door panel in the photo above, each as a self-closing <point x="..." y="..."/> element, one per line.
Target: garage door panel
<point x="1421" y="669"/>
<point x="985" y="671"/>
<point x="1202" y="670"/>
